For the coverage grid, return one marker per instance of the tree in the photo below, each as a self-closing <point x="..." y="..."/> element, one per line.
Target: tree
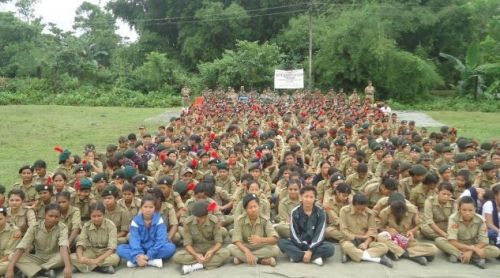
<point x="472" y="72"/>
<point x="26" y="9"/>
<point x="251" y="65"/>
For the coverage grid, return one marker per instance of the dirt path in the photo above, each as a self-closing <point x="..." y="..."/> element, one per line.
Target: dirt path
<point x="420" y="118"/>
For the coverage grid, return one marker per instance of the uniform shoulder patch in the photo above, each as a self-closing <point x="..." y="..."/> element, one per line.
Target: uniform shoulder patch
<point x="454" y="226"/>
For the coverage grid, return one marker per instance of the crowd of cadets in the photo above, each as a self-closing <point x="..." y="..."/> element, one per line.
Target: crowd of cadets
<point x="290" y="175"/>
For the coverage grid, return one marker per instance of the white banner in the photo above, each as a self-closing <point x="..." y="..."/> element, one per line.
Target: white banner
<point x="289" y="79"/>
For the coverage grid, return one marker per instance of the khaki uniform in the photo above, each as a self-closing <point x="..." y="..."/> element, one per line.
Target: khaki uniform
<point x="9" y="238"/>
<point x="23" y="219"/>
<point x="133" y="209"/>
<point x="189" y="206"/>
<point x="120" y="218"/>
<point x="46" y="245"/>
<point x="72" y="219"/>
<point x="229" y="184"/>
<point x="68" y="171"/>
<point x="356" y="182"/>
<point x="486" y="183"/>
<point x="284" y="213"/>
<point x="321" y="188"/>
<point x="71" y="190"/>
<point x="406" y="185"/>
<point x="202" y="237"/>
<point x="95" y="242"/>
<point x="175" y="200"/>
<point x="352" y="225"/>
<point x="167" y="212"/>
<point x="418" y="196"/>
<point x="373" y="163"/>
<point x="372" y="191"/>
<point x="42" y="180"/>
<point x="473" y="173"/>
<point x="243" y="229"/>
<point x="332" y="210"/>
<point x="435" y="213"/>
<point x="83" y="206"/>
<point x="237" y="170"/>
<point x="30" y="193"/>
<point x="40" y="208"/>
<point x="409" y="221"/>
<point x="473" y="233"/>
<point x="381" y="170"/>
<point x="265" y="208"/>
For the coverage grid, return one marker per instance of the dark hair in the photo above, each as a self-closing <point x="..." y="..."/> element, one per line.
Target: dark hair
<point x="128" y="187"/>
<point x="157" y="193"/>
<point x="64" y="194"/>
<point x="97" y="206"/>
<point x="248" y="198"/>
<point x="398" y="209"/>
<point x="63" y="176"/>
<point x="294" y="181"/>
<point x="430" y="179"/>
<point x="40" y="164"/>
<point x="360" y="199"/>
<point x="390" y="184"/>
<point x="307" y="188"/>
<point x="496" y="189"/>
<point x="252" y="182"/>
<point x="466" y="200"/>
<point x="466" y="175"/>
<point x="149" y="198"/>
<point x="445" y="186"/>
<point x="17" y="192"/>
<point x="343" y="188"/>
<point x="52" y="206"/>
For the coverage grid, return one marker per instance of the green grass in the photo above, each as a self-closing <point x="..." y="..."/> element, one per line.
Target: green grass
<point x="477" y="125"/>
<point x="31" y="132"/>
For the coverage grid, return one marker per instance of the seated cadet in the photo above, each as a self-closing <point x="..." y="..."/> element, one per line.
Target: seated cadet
<point x="332" y="205"/>
<point x="17" y="214"/>
<point x="255" y="169"/>
<point x="48" y="240"/>
<point x="286" y="206"/>
<point x="171" y="196"/>
<point x="201" y="193"/>
<point x="166" y="170"/>
<point x="437" y="210"/>
<point x="203" y="240"/>
<point x="224" y="179"/>
<point x="488" y="177"/>
<point x="417" y="174"/>
<point x="83" y="198"/>
<point x="41" y="175"/>
<point x="378" y="191"/>
<point x="307" y="228"/>
<point x="467" y="239"/>
<point x="461" y="184"/>
<point x="27" y="184"/>
<point x="328" y="187"/>
<point x="399" y="225"/>
<point x="253" y="187"/>
<point x="59" y="184"/>
<point x="96" y="246"/>
<point x="140" y="183"/>
<point x="115" y="213"/>
<point x="129" y="202"/>
<point x="423" y="191"/>
<point x="100" y="182"/>
<point x="167" y="212"/>
<point x="358" y="180"/>
<point x="10" y="235"/>
<point x="357" y="223"/>
<point x="45" y="198"/>
<point x="254" y="239"/>
<point x="148" y="241"/>
<point x="181" y="188"/>
<point x="491" y="215"/>
<point x="70" y="216"/>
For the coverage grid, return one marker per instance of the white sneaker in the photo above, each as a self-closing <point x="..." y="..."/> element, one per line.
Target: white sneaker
<point x="318" y="261"/>
<point x="156" y="263"/>
<point x="186" y="269"/>
<point x="131" y="264"/>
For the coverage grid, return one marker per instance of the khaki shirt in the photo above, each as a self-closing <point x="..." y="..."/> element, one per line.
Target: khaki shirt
<point x="486" y="183"/>
<point x="133" y="209"/>
<point x="418" y="196"/>
<point x="373" y="163"/>
<point x="285" y="208"/>
<point x="23" y="219"/>
<point x="40" y="208"/>
<point x="83" y="206"/>
<point x="473" y="233"/>
<point x="229" y="184"/>
<point x="332" y="210"/>
<point x="100" y="238"/>
<point x="29" y="191"/>
<point x="45" y="242"/>
<point x="167" y="212"/>
<point x="175" y="200"/>
<point x="436" y="213"/>
<point x="67" y="171"/>
<point x="243" y="229"/>
<point x="406" y="185"/>
<point x="203" y="235"/>
<point x="265" y="208"/>
<point x="381" y="170"/>
<point x="72" y="219"/>
<point x="409" y="221"/>
<point x="352" y="223"/>
<point x="119" y="217"/>
<point x="9" y="238"/>
<point x="189" y="206"/>
<point x="356" y="182"/>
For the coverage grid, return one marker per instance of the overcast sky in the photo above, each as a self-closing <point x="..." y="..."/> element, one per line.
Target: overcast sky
<point x="62" y="13"/>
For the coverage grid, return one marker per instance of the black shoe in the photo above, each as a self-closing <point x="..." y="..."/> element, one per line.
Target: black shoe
<point x="481" y="263"/>
<point x="52" y="274"/>
<point x="74" y="270"/>
<point x="386" y="261"/>
<point x="405" y="255"/>
<point x="105" y="269"/>
<point x="429" y="258"/>
<point x="421" y="260"/>
<point x="392" y="256"/>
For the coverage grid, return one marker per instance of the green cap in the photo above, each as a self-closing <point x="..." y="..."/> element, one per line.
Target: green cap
<point x="140" y="178"/>
<point x="110" y="190"/>
<point x="100" y="177"/>
<point x="129" y="172"/>
<point x="118" y="174"/>
<point x="85" y="184"/>
<point x="460" y="157"/>
<point x="487" y="146"/>
<point x="488" y="166"/>
<point x="200" y="208"/>
<point x="180" y="187"/>
<point x="223" y="166"/>
<point x="43" y="187"/>
<point x="444" y="168"/>
<point x="129" y="153"/>
<point x="418" y="170"/>
<point x="64" y="156"/>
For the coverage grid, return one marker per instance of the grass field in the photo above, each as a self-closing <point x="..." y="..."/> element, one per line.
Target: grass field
<point x="30" y="132"/>
<point x="477" y="125"/>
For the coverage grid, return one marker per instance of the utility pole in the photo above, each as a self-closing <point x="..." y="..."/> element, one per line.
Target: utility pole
<point x="310" y="45"/>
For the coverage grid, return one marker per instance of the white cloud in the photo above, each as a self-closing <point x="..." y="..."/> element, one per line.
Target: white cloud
<point x="62" y="13"/>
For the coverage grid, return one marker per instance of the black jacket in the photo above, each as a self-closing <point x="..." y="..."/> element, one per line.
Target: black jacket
<point x="307" y="232"/>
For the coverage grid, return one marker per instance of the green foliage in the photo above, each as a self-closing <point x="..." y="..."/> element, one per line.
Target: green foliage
<point x="434" y="103"/>
<point x="250" y="65"/>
